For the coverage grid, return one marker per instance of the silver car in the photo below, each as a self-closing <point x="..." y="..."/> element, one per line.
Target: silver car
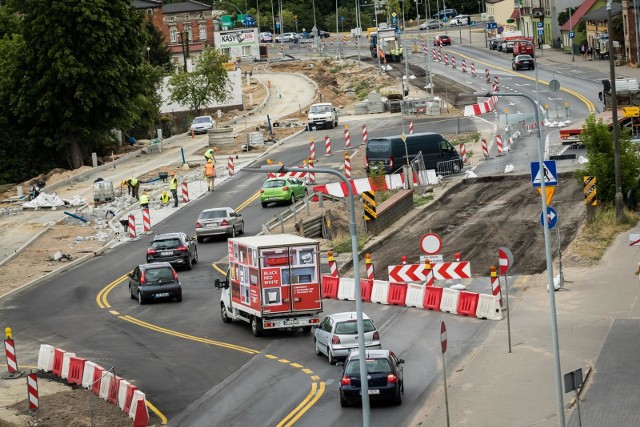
<point x="218" y="221"/>
<point x="432" y="24"/>
<point x="202" y="124"/>
<point x="337" y="335"/>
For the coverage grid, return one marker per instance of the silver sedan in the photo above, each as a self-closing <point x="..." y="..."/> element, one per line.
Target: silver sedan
<point x="218" y="221"/>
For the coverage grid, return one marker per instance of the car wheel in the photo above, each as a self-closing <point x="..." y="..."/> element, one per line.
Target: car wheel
<point x="306" y="329"/>
<point x="533" y="67"/>
<point x="233" y="231"/>
<point x="179" y="298"/>
<point x="223" y="314"/>
<point x="255" y="328"/>
<point x="398" y="398"/>
<point x="264" y="204"/>
<point x="131" y="293"/>
<point x="331" y="124"/>
<point x="200" y="239"/>
<point x="513" y="67"/>
<point x="188" y="265"/>
<point x="293" y="199"/>
<point x="141" y="300"/>
<point x="195" y="259"/>
<point x="332" y="360"/>
<point x="344" y="403"/>
<point x="318" y="351"/>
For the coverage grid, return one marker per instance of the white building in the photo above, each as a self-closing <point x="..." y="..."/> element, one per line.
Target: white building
<point x="240" y="43"/>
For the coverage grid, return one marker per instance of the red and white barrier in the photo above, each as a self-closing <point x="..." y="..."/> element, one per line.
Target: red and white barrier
<point x="146" y="220"/>
<point x="449" y="301"/>
<point x="464" y="66"/>
<point x="380" y="292"/>
<point x="312" y="175"/>
<point x="132" y="226"/>
<point x="327" y="145"/>
<point x="453" y="61"/>
<point x="487" y="76"/>
<point x="105" y="385"/>
<point x="347" y="165"/>
<point x="463" y="152"/>
<point x="415" y="295"/>
<point x="411" y="127"/>
<point x="230" y="165"/>
<point x="473" y="69"/>
<point x="45" y="358"/>
<point x="347" y="289"/>
<point x="365" y="138"/>
<point x="499" y="144"/>
<point x="333" y="265"/>
<point x="347" y="137"/>
<point x="480" y="108"/>
<point x="488" y="308"/>
<point x="360" y="185"/>
<point x="10" y="352"/>
<point x="440" y="270"/>
<point x="485" y="149"/>
<point x="495" y="285"/>
<point x="439" y="56"/>
<point x="424" y="46"/>
<point x="369" y="267"/>
<point x="324" y="45"/>
<point x="32" y="391"/>
<point x="87" y="375"/>
<point x="312" y="144"/>
<point x="185" y="192"/>
<point x="76" y="370"/>
<point x="446" y="59"/>
<point x="66" y="360"/>
<point x="138" y="411"/>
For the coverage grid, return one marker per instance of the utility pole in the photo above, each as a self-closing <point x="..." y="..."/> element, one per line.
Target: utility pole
<point x="614" y="117"/>
<point x="573" y="58"/>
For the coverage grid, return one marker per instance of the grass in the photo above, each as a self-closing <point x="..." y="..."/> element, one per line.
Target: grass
<point x="362" y="90"/>
<point x="421" y="199"/>
<point x="337" y="68"/>
<point x="596" y="236"/>
<point x="342" y="242"/>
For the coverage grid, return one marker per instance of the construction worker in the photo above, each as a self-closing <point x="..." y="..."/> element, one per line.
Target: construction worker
<point x="173" y="186"/>
<point x="144" y="200"/>
<point x="134" y="186"/>
<point x="210" y="155"/>
<point x="210" y="174"/>
<point x="164" y="199"/>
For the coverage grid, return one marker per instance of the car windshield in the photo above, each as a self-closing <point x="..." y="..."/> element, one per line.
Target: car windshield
<point x="320" y="109"/>
<point x="165" y="244"/>
<point x="373" y="366"/>
<point x="350" y="327"/>
<point x="213" y="214"/>
<point x="159" y="275"/>
<point x="277" y="183"/>
<point x="202" y="120"/>
<point x="379" y="146"/>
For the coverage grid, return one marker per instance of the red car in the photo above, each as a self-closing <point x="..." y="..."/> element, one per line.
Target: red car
<point x="442" y="40"/>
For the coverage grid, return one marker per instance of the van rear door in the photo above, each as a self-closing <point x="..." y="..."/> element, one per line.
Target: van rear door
<point x="378" y="154"/>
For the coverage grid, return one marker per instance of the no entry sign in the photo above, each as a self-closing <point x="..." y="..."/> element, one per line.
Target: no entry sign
<point x="430" y="244"/>
<point x="505" y="258"/>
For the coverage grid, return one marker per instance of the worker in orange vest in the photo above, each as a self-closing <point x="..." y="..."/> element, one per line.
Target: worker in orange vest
<point x="210" y="174"/>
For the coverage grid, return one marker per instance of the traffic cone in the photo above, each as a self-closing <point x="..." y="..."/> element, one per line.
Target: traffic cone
<point x="142" y="416"/>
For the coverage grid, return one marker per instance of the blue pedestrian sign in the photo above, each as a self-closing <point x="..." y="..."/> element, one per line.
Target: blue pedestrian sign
<point x="540" y="31"/>
<point x="572" y="35"/>
<point x="540" y="24"/>
<point x="551" y="217"/>
<point x="548" y="173"/>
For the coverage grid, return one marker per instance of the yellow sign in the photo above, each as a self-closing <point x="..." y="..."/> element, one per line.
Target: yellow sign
<point x="229" y="66"/>
<point x="549" y="190"/>
<point x="404" y="137"/>
<point x="631" y="111"/>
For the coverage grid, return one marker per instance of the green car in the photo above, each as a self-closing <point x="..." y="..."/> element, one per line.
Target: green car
<point x="282" y="190"/>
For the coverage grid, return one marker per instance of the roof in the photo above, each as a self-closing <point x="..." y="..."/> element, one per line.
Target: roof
<point x="601" y="14"/>
<point x="147" y="4"/>
<point x="578" y="14"/>
<point x="348" y="315"/>
<point x="370" y="353"/>
<point x="273" y="240"/>
<point x="187" y="6"/>
<point x="516" y="13"/>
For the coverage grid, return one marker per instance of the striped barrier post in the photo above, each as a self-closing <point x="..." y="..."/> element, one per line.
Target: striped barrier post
<point x="309" y="46"/>
<point x="485" y="150"/>
<point x="185" y="192"/>
<point x="281" y="48"/>
<point x="146" y="220"/>
<point x="333" y="266"/>
<point x="312" y="148"/>
<point x="499" y="144"/>
<point x="453" y="61"/>
<point x="327" y="145"/>
<point x="10" y="351"/>
<point x="270" y="174"/>
<point x="411" y="127"/>
<point x="347" y="165"/>
<point x="324" y="45"/>
<point x="495" y="88"/>
<point x="433" y="54"/>
<point x="487" y="76"/>
<point x="132" y="226"/>
<point x="424" y="47"/>
<point x="439" y="56"/>
<point x="473" y="69"/>
<point x="312" y="175"/>
<point x="331" y="39"/>
<point x="32" y="391"/>
<point x="464" y="66"/>
<point x="347" y="136"/>
<point x="230" y="165"/>
<point x="344" y="39"/>
<point x="463" y="152"/>
<point x="429" y="273"/>
<point x="369" y="267"/>
<point x="496" y="81"/>
<point x="365" y="138"/>
<point x="495" y="284"/>
<point x="446" y="59"/>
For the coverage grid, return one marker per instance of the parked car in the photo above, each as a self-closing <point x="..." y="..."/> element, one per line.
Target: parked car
<point x="266" y="37"/>
<point x="460" y="20"/>
<point x="282" y="190"/>
<point x="174" y="248"/>
<point x="507" y="47"/>
<point x="154" y="281"/>
<point x="494" y="43"/>
<point x="385" y="379"/>
<point x="202" y="124"/>
<point x="445" y="13"/>
<point x="432" y="24"/>
<point x="337" y="335"/>
<point x="442" y="40"/>
<point x="287" y="38"/>
<point x="523" y="61"/>
<point x="218" y="221"/>
<point x="523" y="48"/>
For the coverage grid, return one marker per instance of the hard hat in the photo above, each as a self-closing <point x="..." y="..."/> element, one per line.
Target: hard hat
<point x="172" y="173"/>
<point x="164" y="192"/>
<point x="124" y="182"/>
<point x="209" y="161"/>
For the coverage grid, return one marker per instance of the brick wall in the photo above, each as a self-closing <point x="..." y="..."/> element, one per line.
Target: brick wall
<point x="391" y="210"/>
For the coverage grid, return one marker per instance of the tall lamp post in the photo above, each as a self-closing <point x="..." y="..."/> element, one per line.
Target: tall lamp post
<point x="614" y="118"/>
<point x="356" y="271"/>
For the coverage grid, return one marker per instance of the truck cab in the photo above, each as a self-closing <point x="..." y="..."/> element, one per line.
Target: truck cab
<point x="322" y="115"/>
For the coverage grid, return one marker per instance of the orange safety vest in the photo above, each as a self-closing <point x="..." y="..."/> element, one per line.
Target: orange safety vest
<point x="209" y="170"/>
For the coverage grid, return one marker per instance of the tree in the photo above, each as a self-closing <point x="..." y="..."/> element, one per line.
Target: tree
<point x="81" y="73"/>
<point x="564" y="16"/>
<point x="598" y="141"/>
<point x="208" y="83"/>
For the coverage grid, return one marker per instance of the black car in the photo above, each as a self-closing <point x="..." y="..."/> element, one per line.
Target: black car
<point x="523" y="61"/>
<point x="445" y="13"/>
<point x="384" y="373"/>
<point x="494" y="44"/>
<point x="154" y="281"/>
<point x="175" y="248"/>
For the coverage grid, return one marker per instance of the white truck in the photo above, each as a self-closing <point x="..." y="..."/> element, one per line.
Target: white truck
<point x="273" y="282"/>
<point x="322" y="115"/>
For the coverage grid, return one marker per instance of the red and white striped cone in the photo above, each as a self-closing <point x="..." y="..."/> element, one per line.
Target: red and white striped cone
<point x="433" y="55"/>
<point x="485" y="150"/>
<point x="446" y="59"/>
<point x="344" y="39"/>
<point x="312" y="175"/>
<point x="365" y="138"/>
<point x="309" y="46"/>
<point x="411" y="127"/>
<point x="463" y="153"/>
<point x="496" y="81"/>
<point x="146" y="220"/>
<point x="453" y="61"/>
<point x="230" y="165"/>
<point x="424" y="46"/>
<point x="10" y="351"/>
<point x="369" y="266"/>
<point x="132" y="227"/>
<point x="473" y="69"/>
<point x="429" y="273"/>
<point x="499" y="144"/>
<point x="281" y="47"/>
<point x="464" y="66"/>
<point x="347" y="165"/>
<point x="327" y="145"/>
<point x="487" y="76"/>
<point x="333" y="265"/>
<point x="32" y="391"/>
<point x="495" y="285"/>
<point x="185" y="192"/>
<point x="347" y="137"/>
<point x="312" y="148"/>
<point x="439" y="56"/>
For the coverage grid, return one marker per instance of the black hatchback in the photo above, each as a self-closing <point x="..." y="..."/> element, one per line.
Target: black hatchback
<point x="154" y="281"/>
<point x="384" y="373"/>
<point x="175" y="248"/>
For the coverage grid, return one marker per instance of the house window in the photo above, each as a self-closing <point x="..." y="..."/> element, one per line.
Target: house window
<point x="173" y="35"/>
<point x="246" y="50"/>
<point x="226" y="51"/>
<point x="203" y="32"/>
<point x="189" y="35"/>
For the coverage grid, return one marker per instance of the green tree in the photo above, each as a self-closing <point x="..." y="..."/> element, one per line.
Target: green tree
<point x="564" y="16"/>
<point x="81" y="73"/>
<point x="208" y="82"/>
<point x="598" y="141"/>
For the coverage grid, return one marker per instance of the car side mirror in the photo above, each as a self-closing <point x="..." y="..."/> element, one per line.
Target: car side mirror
<point x="400" y="361"/>
<point x="220" y="284"/>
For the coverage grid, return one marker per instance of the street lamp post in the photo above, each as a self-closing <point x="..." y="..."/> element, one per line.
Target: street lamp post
<point x="614" y="118"/>
<point x="356" y="272"/>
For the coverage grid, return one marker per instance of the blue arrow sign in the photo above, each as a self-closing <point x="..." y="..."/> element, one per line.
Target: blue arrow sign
<point x="552" y="217"/>
<point x="548" y="173"/>
<point x="492" y="25"/>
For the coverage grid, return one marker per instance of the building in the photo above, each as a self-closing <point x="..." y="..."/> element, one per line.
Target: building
<point x="630" y="24"/>
<point x="597" y="30"/>
<point x="238" y="44"/>
<point x="570" y="26"/>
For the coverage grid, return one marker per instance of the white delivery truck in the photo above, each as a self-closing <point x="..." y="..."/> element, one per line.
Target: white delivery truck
<point x="273" y="282"/>
<point x="322" y="115"/>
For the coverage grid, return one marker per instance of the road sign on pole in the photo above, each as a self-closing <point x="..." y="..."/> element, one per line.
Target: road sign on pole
<point x="540" y="24"/>
<point x="551" y="217"/>
<point x="505" y="258"/>
<point x="572" y="35"/>
<point x="548" y="173"/>
<point x="430" y="243"/>
<point x="540" y="31"/>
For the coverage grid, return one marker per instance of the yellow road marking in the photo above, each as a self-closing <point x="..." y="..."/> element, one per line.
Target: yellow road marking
<point x="300" y="411"/>
<point x="296" y="365"/>
<point x="307" y="371"/>
<point x="315" y="377"/>
<point x="271" y="356"/>
<point x="248" y="201"/>
<point x="101" y="298"/>
<point x="283" y="361"/>
<point x="156" y="411"/>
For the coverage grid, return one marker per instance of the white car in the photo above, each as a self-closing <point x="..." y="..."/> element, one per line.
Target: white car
<point x="202" y="124"/>
<point x="460" y="20"/>
<point x="337" y="335"/>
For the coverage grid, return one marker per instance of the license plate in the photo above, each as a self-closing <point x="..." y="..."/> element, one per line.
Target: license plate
<point x="374" y="391"/>
<point x="212" y="225"/>
<point x="166" y="253"/>
<point x="166" y="294"/>
<point x="291" y="322"/>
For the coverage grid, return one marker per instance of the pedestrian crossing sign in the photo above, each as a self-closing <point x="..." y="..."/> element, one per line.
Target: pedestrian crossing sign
<point x="548" y="173"/>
